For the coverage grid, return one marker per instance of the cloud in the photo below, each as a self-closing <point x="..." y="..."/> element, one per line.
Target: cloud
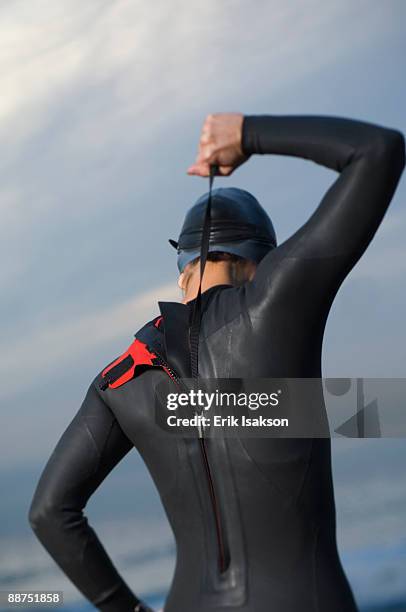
<point x="141" y="56"/>
<point x="46" y="350"/>
<point x="100" y="108"/>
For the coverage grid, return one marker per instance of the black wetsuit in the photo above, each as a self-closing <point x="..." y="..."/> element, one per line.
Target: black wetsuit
<point x="275" y="502"/>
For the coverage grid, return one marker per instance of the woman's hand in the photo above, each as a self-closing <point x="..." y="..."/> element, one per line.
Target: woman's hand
<point x="220" y="145"/>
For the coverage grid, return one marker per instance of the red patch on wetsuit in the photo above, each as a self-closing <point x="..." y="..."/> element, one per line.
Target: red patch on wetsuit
<point x="140" y="354"/>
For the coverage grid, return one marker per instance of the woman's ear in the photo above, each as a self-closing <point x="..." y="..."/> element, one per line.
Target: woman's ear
<point x="251" y="270"/>
<point x="181" y="281"/>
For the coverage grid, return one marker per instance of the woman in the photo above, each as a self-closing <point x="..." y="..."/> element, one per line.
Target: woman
<point x="253" y="518"/>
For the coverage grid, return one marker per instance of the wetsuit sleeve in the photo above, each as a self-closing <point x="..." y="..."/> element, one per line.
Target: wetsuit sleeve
<point x="369" y="159"/>
<point x="88" y="450"/>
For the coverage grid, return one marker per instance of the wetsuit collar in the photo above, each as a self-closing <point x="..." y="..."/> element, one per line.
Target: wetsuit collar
<point x="176" y="318"/>
<point x="207" y="294"/>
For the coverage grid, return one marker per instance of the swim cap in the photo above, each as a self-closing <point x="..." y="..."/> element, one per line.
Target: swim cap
<point x="239" y="225"/>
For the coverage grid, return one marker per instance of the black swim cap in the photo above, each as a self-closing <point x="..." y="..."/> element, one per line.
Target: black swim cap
<point x="239" y="225"/>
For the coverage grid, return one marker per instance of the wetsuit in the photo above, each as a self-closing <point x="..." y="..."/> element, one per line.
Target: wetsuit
<point x="272" y="522"/>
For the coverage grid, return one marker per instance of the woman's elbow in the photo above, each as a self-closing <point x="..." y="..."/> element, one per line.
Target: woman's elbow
<point x="40" y="513"/>
<point x="45" y="513"/>
<point x="396" y="144"/>
<point x="389" y="148"/>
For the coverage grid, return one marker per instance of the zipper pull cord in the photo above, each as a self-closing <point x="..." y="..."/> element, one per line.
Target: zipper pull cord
<point x="194" y="329"/>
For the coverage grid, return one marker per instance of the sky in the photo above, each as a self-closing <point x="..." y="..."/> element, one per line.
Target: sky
<point x="100" y="112"/>
<point x="101" y="108"/>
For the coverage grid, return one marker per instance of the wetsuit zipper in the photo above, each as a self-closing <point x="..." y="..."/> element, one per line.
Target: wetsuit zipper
<point x="203" y="450"/>
<point x="215" y="506"/>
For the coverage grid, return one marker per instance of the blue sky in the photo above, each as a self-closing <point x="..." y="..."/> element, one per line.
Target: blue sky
<point x="100" y="114"/>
